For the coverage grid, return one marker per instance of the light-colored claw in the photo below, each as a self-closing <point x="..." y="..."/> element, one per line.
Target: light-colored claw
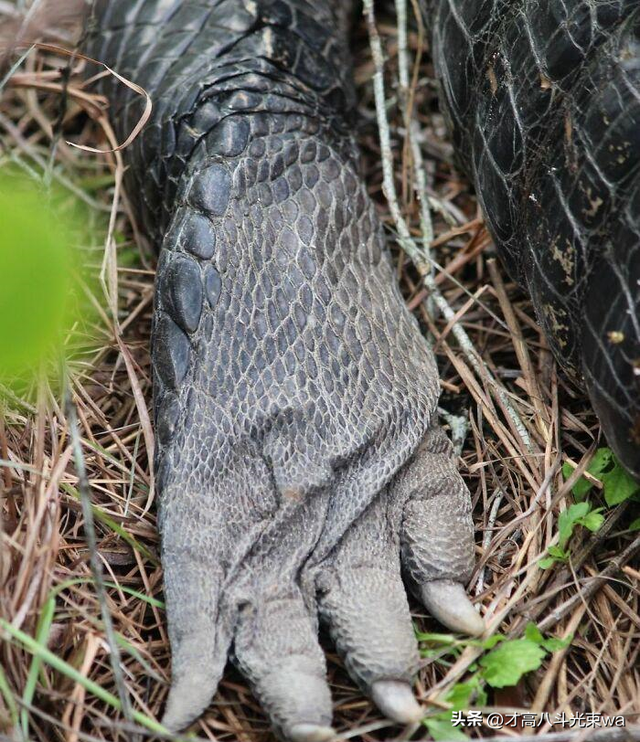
<point x="448" y="602"/>
<point x="310" y="733"/>
<point x="188" y="698"/>
<point x="396" y="701"/>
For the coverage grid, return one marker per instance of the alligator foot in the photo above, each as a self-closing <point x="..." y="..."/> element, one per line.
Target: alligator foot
<point x="301" y="471"/>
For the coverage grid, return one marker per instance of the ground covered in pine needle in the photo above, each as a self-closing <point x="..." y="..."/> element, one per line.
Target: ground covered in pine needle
<point x="519" y="426"/>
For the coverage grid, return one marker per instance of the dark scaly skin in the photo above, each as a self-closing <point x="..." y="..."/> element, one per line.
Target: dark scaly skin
<point x="544" y="100"/>
<point x="299" y="463"/>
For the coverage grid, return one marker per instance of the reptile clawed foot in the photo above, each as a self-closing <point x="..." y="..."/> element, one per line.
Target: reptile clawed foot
<point x="255" y="584"/>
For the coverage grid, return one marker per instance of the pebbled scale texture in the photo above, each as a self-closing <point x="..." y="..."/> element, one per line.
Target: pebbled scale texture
<point x="299" y="464"/>
<point x="543" y="98"/>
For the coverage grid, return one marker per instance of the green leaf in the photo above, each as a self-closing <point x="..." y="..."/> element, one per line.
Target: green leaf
<point x="582" y="487"/>
<point x="442" y="639"/>
<point x="441" y="729"/>
<point x="533" y="633"/>
<point x="460" y="696"/>
<point x="601" y="462"/>
<point x="593" y="521"/>
<point x="505" y="665"/>
<point x="555" y="644"/>
<point x="551" y="644"/>
<point x="42" y="302"/>
<point x="491" y="642"/>
<point x="567" y="520"/>
<point x="635" y="525"/>
<point x="557" y="552"/>
<point x="580" y="513"/>
<point x="438" y="646"/>
<point x="43" y="630"/>
<point x="36" y="269"/>
<point x="482" y="699"/>
<point x="618" y="485"/>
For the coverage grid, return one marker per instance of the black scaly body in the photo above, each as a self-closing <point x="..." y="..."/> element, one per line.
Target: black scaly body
<point x="544" y="101"/>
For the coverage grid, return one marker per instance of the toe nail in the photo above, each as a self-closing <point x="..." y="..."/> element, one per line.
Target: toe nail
<point x="396" y="700"/>
<point x="448" y="602"/>
<point x="310" y="733"/>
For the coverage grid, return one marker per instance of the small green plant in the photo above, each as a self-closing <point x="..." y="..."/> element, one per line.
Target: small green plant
<point x="513" y="658"/>
<point x="441" y="727"/>
<point x="617" y="484"/>
<point x="503" y="663"/>
<point x="578" y="514"/>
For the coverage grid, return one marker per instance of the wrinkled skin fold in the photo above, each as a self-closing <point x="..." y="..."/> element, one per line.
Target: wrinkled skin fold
<point x="300" y="468"/>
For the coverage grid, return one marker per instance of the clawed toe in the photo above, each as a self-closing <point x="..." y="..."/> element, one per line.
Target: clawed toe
<point x="396" y="701"/>
<point x="310" y="733"/>
<point x="448" y="602"/>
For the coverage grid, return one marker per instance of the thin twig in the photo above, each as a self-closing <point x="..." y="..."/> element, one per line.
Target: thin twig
<point x="594" y="584"/>
<point x="486" y="537"/>
<point x="96" y="564"/>
<point x="426" y="224"/>
<point x="404" y="236"/>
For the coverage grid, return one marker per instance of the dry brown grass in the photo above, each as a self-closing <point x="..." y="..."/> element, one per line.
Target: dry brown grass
<point x="518" y="489"/>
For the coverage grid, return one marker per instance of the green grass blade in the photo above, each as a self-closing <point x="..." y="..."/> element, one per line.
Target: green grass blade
<point x="42" y="637"/>
<point x="6" y="693"/>
<point x="109" y="522"/>
<point x="128" y="590"/>
<point x="64" y="668"/>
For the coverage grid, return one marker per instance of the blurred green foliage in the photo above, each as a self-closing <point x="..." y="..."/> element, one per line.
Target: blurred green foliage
<point x="41" y="277"/>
